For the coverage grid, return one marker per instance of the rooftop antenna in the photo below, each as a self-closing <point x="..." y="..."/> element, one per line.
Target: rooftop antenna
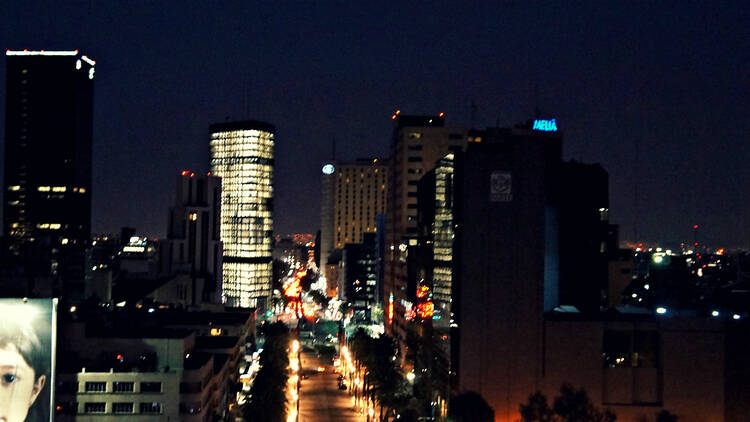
<point x="473" y="114"/>
<point x="246" y="98"/>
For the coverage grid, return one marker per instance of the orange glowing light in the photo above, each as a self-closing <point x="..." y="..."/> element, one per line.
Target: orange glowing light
<point x="185" y="172"/>
<point x="422" y="292"/>
<point x="720" y="251"/>
<point x="441" y="114"/>
<point x="393" y="117"/>
<point x="390" y="309"/>
<point x="426" y="310"/>
<point x="398" y="112"/>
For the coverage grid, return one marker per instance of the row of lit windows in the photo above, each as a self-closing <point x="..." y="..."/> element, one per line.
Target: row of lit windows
<point x="226" y="155"/>
<point x="244" y="281"/>
<point x="150" y="408"/>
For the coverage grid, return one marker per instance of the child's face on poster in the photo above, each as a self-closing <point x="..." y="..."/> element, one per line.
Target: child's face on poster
<point x="19" y="386"/>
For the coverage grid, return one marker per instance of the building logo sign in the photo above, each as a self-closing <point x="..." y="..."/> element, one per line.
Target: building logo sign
<point x="328" y="169"/>
<point x="545" y="125"/>
<point x="501" y="186"/>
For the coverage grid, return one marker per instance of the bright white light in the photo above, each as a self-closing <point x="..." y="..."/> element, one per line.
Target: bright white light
<point x="78" y="64"/>
<point x="410" y="376"/>
<point x="40" y="53"/>
<point x="88" y="60"/>
<point x="91" y="73"/>
<point x="661" y="310"/>
<point x="646" y="286"/>
<point x="634" y="295"/>
<point x="658" y="259"/>
<point x="715" y="313"/>
<point x="736" y="316"/>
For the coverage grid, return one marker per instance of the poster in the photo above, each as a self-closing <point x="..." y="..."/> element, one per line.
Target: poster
<point x="27" y="359"/>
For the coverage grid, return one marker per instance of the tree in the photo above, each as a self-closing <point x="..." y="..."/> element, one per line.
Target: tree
<point x="570" y="406"/>
<point x="320" y="298"/>
<point x="470" y="407"/>
<point x="666" y="416"/>
<point x="537" y="409"/>
<point x="267" y="396"/>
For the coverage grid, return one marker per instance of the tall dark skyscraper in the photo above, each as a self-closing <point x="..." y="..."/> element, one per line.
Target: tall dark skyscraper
<point x="48" y="136"/>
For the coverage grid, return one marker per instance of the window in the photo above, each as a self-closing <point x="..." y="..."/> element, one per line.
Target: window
<point x="95" y="407"/>
<point x="151" y="407"/>
<point x="122" y="387"/>
<point x="415" y="159"/>
<point x="150" y="387"/>
<point x="637" y="349"/>
<point x="96" y="387"/>
<point x="122" y="407"/>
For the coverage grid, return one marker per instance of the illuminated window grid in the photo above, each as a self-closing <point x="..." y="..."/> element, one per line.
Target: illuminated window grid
<point x="243" y="159"/>
<point x="443" y="234"/>
<point x="360" y="197"/>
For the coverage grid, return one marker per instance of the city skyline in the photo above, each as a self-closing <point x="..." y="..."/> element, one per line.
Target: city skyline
<point x="657" y="79"/>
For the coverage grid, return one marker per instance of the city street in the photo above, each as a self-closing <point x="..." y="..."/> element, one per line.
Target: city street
<point x="321" y="400"/>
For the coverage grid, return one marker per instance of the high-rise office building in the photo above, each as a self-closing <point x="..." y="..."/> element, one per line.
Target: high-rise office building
<point x="48" y="136"/>
<point x="242" y="155"/>
<point x="352" y="195"/>
<point x="193" y="241"/>
<point x="418" y="143"/>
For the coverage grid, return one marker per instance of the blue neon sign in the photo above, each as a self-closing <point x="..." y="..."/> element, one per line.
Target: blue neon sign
<point x="545" y="125"/>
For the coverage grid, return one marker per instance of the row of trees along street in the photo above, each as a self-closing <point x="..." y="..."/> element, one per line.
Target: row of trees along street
<point x="267" y="401"/>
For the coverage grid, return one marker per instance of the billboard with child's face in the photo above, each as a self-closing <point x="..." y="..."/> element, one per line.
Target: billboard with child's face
<point x="27" y="359"/>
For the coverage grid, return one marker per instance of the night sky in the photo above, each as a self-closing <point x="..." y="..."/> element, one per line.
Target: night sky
<point x="671" y="81"/>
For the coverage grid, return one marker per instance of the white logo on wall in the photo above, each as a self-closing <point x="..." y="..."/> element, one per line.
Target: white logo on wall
<point x="501" y="184"/>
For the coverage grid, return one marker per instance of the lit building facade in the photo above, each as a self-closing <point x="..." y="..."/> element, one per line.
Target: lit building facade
<point x="419" y="142"/>
<point x="48" y="136"/>
<point x="242" y="154"/>
<point x="352" y="196"/>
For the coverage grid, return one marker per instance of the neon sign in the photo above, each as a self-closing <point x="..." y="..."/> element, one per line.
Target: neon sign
<point x="390" y="309"/>
<point x="545" y="125"/>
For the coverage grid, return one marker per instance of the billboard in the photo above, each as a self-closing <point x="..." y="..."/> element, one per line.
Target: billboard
<point x="28" y="329"/>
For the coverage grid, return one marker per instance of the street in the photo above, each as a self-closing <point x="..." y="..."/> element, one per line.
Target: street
<point x="321" y="400"/>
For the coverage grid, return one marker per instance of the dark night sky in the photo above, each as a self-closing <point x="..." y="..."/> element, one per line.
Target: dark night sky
<point x="672" y="78"/>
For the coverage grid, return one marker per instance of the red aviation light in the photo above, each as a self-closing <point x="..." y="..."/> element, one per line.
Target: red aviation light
<point x="184" y="172"/>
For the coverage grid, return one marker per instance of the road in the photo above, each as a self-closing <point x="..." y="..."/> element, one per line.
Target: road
<point x="320" y="398"/>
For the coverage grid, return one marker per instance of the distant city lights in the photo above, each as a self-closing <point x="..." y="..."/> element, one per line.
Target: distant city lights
<point x="661" y="310"/>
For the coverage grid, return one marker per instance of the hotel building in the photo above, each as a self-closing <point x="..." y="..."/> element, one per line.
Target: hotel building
<point x="353" y="194"/>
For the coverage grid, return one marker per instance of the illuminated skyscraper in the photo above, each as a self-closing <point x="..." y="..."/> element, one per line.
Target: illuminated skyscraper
<point x="47" y="192"/>
<point x="242" y="155"/>
<point x="352" y="195"/>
